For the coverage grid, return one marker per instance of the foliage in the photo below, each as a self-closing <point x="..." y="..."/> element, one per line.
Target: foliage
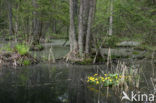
<point x="132" y="19"/>
<point x="111" y="41"/>
<point x="22" y="49"/>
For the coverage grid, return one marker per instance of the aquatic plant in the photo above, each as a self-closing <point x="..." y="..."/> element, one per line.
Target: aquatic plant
<point x="107" y="79"/>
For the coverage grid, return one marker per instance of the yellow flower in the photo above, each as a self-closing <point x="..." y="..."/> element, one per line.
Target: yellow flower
<point x="95" y="74"/>
<point x="97" y="82"/>
<point x="105" y="74"/>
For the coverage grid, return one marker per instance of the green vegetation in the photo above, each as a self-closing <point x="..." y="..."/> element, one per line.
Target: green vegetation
<point x="147" y="47"/>
<point x="85" y="61"/>
<point x="115" y="21"/>
<point x="26" y="62"/>
<point x="22" y="49"/>
<point x="122" y="76"/>
<point x="6" y="48"/>
<point x="111" y="41"/>
<point x="107" y="79"/>
<point x="57" y="36"/>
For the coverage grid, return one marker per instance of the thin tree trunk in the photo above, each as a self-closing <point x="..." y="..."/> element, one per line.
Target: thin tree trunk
<point x="54" y="26"/>
<point x="111" y="19"/>
<point x="10" y="18"/>
<point x="90" y="18"/>
<point x="37" y="26"/>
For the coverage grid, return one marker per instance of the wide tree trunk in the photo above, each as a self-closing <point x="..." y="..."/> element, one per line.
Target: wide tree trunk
<point x="81" y="32"/>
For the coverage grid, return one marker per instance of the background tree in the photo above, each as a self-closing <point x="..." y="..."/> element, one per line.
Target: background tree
<point x="86" y="13"/>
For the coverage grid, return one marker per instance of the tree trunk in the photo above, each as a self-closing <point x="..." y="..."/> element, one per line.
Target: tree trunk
<point x="72" y="34"/>
<point x="81" y="33"/>
<point x="86" y="12"/>
<point x="54" y="26"/>
<point x="90" y="18"/>
<point x="111" y="19"/>
<point x="10" y="18"/>
<point x="37" y="26"/>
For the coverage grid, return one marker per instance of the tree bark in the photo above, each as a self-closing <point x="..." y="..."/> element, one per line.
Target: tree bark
<point x="86" y="12"/>
<point x="54" y="26"/>
<point x="90" y="19"/>
<point x="37" y="26"/>
<point x="72" y="34"/>
<point x="111" y="19"/>
<point x="81" y="33"/>
<point x="10" y="18"/>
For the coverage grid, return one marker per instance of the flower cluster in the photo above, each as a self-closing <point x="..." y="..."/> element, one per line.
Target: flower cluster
<point x="107" y="79"/>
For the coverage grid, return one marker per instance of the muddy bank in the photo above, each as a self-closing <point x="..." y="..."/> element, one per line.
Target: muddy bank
<point x="15" y="59"/>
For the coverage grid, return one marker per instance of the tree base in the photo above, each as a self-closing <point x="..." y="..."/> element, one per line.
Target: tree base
<point x="73" y="56"/>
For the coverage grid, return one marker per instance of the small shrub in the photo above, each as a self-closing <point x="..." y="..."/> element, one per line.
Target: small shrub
<point x="22" y="49"/>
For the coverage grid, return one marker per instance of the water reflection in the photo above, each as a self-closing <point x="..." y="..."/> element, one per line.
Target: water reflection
<point x="56" y="83"/>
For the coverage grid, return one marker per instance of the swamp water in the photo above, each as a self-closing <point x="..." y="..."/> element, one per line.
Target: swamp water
<point x="63" y="83"/>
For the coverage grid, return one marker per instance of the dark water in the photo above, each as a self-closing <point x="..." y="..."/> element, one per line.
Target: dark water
<point x="58" y="83"/>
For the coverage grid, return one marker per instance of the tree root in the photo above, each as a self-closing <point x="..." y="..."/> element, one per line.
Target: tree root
<point x="73" y="56"/>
